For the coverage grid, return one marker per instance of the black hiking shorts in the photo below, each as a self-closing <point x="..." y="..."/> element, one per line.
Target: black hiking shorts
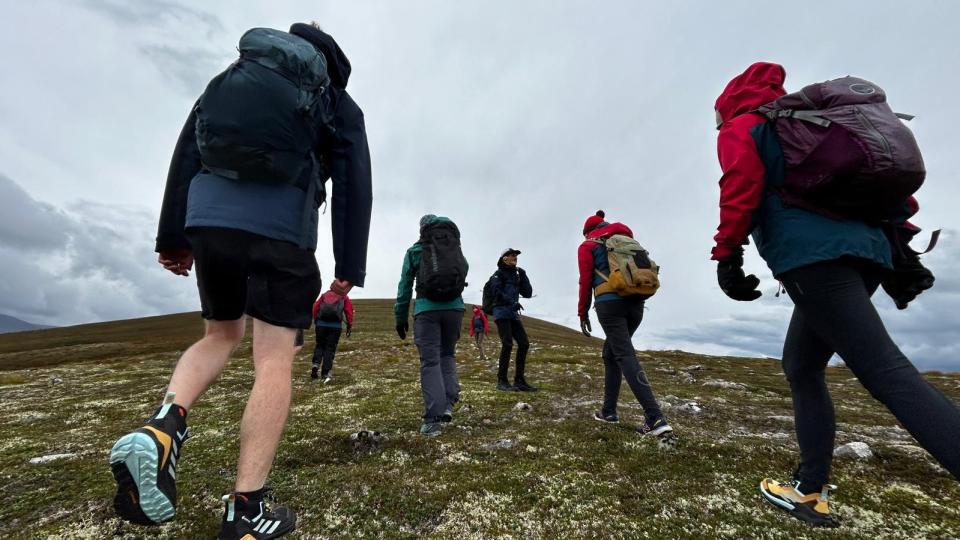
<point x="240" y="272"/>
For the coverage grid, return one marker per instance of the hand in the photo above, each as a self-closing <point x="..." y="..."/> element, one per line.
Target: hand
<point x="907" y="280"/>
<point x="341" y="286"/>
<point x="518" y="306"/>
<point x="349" y="330"/>
<point x="585" y="325"/>
<point x="734" y="283"/>
<point x="402" y="328"/>
<point x="178" y="261"/>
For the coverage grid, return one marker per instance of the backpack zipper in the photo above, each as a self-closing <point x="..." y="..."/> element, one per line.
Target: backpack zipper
<point x="873" y="130"/>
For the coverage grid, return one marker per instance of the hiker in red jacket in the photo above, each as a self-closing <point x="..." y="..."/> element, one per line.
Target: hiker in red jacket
<point x="830" y="266"/>
<point x="619" y="317"/>
<point x="330" y="311"/>
<point x="479" y="328"/>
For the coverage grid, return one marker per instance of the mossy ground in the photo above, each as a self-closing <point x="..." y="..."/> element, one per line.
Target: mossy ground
<point x="565" y="475"/>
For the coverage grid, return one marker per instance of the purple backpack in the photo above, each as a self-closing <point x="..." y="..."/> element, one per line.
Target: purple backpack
<point x="846" y="153"/>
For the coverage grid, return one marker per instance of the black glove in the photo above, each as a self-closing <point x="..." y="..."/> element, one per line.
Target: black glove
<point x="518" y="307"/>
<point x="907" y="280"/>
<point x="402" y="328"/>
<point x="585" y="325"/>
<point x="734" y="284"/>
<point x="349" y="330"/>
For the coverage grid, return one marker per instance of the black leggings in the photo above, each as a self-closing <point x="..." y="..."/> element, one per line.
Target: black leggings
<point x="327" y="340"/>
<point x="833" y="314"/>
<point x="510" y="330"/>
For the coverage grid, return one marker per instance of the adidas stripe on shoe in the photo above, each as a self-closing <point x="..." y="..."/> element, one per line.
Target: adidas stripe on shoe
<point x="144" y="464"/>
<point x="252" y="519"/>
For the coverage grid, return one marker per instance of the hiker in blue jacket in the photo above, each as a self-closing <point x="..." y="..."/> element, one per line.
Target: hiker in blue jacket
<point x="245" y="210"/>
<point x="508" y="284"/>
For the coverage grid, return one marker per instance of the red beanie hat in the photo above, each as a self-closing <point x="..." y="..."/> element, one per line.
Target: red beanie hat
<point x="593" y="221"/>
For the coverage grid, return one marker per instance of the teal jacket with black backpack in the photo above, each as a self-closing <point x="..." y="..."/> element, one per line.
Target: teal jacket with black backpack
<point x="451" y="275"/>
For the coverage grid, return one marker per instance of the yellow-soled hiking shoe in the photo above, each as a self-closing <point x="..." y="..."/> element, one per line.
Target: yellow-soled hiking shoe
<point x="144" y="465"/>
<point x="812" y="508"/>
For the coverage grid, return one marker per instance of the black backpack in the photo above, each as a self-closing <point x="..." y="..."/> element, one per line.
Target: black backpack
<point x="443" y="269"/>
<point x="489" y="295"/>
<point x="332" y="312"/>
<point x="257" y="121"/>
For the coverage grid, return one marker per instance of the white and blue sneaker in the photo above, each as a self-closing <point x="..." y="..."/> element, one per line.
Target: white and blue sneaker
<point x="657" y="427"/>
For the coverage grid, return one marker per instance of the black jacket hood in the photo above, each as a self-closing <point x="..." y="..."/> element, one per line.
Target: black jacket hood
<point x="337" y="64"/>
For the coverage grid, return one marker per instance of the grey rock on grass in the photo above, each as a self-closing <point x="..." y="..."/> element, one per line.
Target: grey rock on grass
<point x="720" y="383"/>
<point x="856" y="450"/>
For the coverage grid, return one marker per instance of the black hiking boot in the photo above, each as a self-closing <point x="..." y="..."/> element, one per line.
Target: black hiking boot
<point x="144" y="465"/>
<point x="522" y="385"/>
<point x="505" y="386"/>
<point x="313" y="372"/>
<point x="249" y="517"/>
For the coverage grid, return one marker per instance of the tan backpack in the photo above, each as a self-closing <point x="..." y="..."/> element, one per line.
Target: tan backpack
<point x="632" y="271"/>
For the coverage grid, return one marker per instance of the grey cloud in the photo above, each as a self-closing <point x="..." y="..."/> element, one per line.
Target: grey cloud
<point x="516" y="119"/>
<point x="191" y="67"/>
<point x="26" y="223"/>
<point x="101" y="268"/>
<point x="152" y="13"/>
<point x="166" y="35"/>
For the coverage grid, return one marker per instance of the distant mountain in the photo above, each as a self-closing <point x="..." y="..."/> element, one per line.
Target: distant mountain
<point x="13" y="324"/>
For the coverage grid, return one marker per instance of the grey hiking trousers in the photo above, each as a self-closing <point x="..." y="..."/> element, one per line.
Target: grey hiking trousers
<point x="619" y="319"/>
<point x="436" y="334"/>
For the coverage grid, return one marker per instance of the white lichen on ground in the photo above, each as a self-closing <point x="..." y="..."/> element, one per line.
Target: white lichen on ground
<point x="544" y="473"/>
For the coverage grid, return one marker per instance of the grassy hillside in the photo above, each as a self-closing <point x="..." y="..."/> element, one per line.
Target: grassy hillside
<point x="551" y="472"/>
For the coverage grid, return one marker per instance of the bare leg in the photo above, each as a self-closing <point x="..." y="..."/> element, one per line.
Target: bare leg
<point x="266" y="412"/>
<point x="203" y="362"/>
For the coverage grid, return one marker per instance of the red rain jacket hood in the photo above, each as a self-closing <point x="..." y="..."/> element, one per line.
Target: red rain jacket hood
<point x="586" y="263"/>
<point x="760" y="84"/>
<point x="741" y="186"/>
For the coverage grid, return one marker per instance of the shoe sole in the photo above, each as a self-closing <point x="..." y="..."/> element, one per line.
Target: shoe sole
<point x="134" y="460"/>
<point x="662" y="430"/>
<point x="598" y="419"/>
<point x="799" y="512"/>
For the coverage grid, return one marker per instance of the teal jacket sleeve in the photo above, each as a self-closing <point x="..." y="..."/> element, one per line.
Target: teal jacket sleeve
<point x="401" y="310"/>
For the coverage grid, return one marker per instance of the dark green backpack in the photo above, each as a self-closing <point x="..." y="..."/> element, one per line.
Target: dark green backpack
<point x="257" y="121"/>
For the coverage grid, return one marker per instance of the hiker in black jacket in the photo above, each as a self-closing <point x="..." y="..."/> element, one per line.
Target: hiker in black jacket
<point x="508" y="284"/>
<point x="245" y="210"/>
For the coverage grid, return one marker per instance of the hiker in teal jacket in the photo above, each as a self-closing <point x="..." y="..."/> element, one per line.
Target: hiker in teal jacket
<point x="436" y="332"/>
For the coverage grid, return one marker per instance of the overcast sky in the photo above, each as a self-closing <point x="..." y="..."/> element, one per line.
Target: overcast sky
<point x="516" y="119"/>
